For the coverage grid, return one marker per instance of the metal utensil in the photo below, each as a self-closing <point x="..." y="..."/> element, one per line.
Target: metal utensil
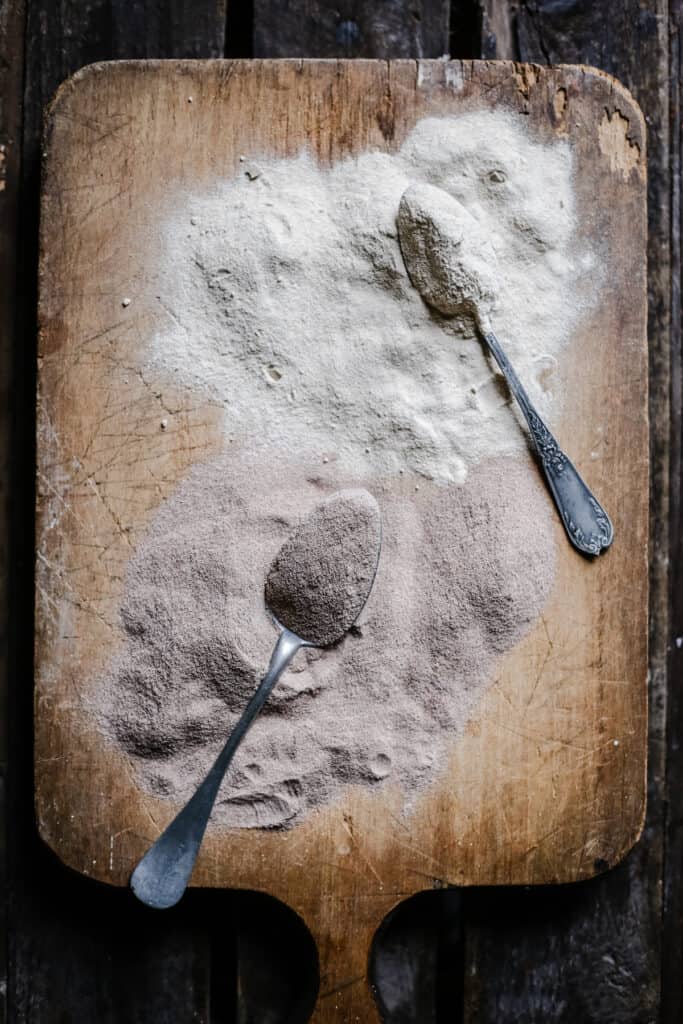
<point x="432" y="227"/>
<point x="588" y="526"/>
<point x="162" y="875"/>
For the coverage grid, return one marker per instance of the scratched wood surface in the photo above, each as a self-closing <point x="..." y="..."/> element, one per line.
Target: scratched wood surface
<point x="548" y="785"/>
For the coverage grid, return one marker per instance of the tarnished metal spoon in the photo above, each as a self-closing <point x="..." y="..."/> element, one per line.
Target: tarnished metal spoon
<point x="315" y="590"/>
<point x="433" y="229"/>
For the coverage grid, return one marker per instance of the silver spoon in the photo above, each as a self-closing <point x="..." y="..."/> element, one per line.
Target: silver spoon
<point x="316" y="588"/>
<point x="433" y="233"/>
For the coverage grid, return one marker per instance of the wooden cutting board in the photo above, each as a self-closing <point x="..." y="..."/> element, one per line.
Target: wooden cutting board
<point x="548" y="784"/>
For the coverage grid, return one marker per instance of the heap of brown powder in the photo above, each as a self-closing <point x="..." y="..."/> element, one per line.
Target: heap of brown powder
<point x="323" y="573"/>
<point x="463" y="574"/>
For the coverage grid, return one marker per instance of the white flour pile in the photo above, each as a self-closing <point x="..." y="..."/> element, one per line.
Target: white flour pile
<point x="283" y="295"/>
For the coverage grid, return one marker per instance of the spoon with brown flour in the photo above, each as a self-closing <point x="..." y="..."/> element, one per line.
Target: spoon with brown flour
<point x="316" y="588"/>
<point x="449" y="263"/>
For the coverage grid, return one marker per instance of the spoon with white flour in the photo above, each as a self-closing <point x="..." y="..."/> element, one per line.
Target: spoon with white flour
<point x="449" y="263"/>
<point x="315" y="590"/>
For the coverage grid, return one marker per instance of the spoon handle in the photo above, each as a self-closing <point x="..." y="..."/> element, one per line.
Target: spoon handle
<point x="588" y="526"/>
<point x="161" y="877"/>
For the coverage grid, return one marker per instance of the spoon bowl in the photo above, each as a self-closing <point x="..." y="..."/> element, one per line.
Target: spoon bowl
<point x="447" y="262"/>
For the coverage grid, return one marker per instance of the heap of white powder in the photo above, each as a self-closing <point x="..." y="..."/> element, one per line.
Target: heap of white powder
<point x="284" y="297"/>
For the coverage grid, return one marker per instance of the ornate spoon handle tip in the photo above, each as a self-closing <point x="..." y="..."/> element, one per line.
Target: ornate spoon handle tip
<point x="588" y="526"/>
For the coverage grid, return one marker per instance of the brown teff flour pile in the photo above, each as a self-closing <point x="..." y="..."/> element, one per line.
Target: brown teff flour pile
<point x="464" y="572"/>
<point x="323" y="573"/>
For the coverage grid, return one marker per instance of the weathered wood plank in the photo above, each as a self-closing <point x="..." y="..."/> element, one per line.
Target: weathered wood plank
<point x="63" y="37"/>
<point x="85" y="953"/>
<point x="12" y="25"/>
<point x="278" y="977"/>
<point x="416" y="962"/>
<point x="123" y="120"/>
<point x="79" y="952"/>
<point x="174" y="28"/>
<point x="587" y="952"/>
<point x="672" y="930"/>
<point x="497" y="30"/>
<point x="315" y="28"/>
<point x="593" y="952"/>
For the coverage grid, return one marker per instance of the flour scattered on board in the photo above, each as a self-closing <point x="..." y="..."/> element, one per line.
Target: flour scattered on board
<point x="463" y="575"/>
<point x="283" y="295"/>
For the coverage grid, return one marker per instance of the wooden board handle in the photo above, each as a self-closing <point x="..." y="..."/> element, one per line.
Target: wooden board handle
<point x="343" y="934"/>
<point x="346" y="1005"/>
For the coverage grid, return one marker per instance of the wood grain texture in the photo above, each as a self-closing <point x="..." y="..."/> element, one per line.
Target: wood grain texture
<point x="537" y="790"/>
<point x="672" y="930"/>
<point x="114" y="966"/>
<point x="417" y="959"/>
<point x="12" y="20"/>
<point x="63" y="37"/>
<point x="314" y="28"/>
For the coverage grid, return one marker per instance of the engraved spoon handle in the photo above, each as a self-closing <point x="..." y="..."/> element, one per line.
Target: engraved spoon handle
<point x="588" y="526"/>
<point x="161" y="877"/>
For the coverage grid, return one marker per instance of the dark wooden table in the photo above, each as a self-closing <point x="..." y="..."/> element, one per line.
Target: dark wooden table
<point x="609" y="951"/>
